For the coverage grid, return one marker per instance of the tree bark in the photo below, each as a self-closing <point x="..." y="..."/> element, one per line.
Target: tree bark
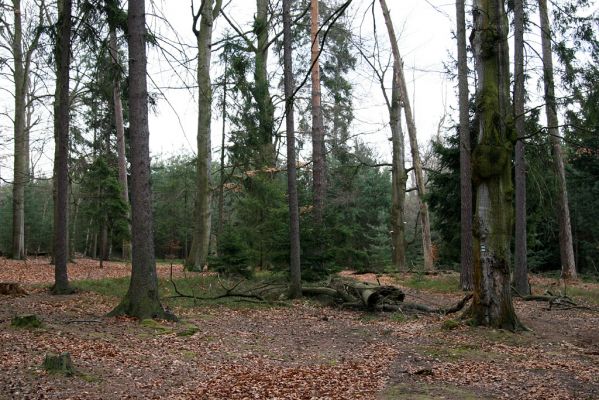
<point x="492" y="172"/>
<point x="262" y="91"/>
<point x="295" y="281"/>
<point x="398" y="178"/>
<point x="520" y="248"/>
<point x="142" y="299"/>
<point x="120" y="134"/>
<point x="203" y="211"/>
<point x="20" y="146"/>
<point x="565" y="229"/>
<point x="61" y="152"/>
<point x="466" y="274"/>
<point x="318" y="144"/>
<point x="417" y="164"/>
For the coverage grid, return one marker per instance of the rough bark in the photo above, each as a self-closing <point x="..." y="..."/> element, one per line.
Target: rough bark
<point x="492" y="172"/>
<point x="318" y="144"/>
<point x="520" y="262"/>
<point x="416" y="162"/>
<point x="565" y="229"/>
<point x="120" y="133"/>
<point x="295" y="280"/>
<point x="398" y="178"/>
<point x="142" y="299"/>
<point x="262" y="91"/>
<point x="61" y="152"/>
<point x="466" y="274"/>
<point x="200" y="243"/>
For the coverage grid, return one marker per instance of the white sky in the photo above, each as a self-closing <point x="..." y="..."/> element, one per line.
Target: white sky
<point x="425" y="41"/>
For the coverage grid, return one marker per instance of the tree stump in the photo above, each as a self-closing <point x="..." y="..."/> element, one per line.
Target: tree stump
<point x="26" y="321"/>
<point x="11" y="289"/>
<point x="61" y="364"/>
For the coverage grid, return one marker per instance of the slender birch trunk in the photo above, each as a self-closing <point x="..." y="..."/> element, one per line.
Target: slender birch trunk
<point x="565" y="229"/>
<point x="417" y="164"/>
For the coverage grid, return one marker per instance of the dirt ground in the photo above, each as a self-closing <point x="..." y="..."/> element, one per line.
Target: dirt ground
<point x="300" y="351"/>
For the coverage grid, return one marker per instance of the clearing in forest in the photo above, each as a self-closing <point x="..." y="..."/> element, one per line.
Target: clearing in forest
<point x="295" y="350"/>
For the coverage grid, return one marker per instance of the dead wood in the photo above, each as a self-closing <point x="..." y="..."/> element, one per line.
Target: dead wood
<point x="11" y="289"/>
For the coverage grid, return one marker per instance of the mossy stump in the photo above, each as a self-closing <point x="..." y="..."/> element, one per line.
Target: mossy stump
<point x="59" y="364"/>
<point x="28" y="321"/>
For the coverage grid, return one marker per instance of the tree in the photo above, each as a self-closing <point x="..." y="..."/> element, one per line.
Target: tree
<point x="492" y="172"/>
<point x="520" y="248"/>
<point x="416" y="162"/>
<point x="295" y="286"/>
<point x="565" y="230"/>
<point x="466" y="273"/>
<point x="203" y="201"/>
<point x="21" y="76"/>
<point x="318" y="143"/>
<point x="142" y="299"/>
<point x="61" y="152"/>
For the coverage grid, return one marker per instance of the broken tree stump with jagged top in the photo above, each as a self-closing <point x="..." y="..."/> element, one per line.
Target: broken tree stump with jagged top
<point x="59" y="363"/>
<point x="26" y="321"/>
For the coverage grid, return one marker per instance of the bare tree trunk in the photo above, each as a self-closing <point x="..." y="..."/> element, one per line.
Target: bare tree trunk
<point x="398" y="178"/>
<point x="318" y="144"/>
<point x="520" y="267"/>
<point x="61" y="153"/>
<point x="120" y="135"/>
<point x="142" y="299"/>
<point x="492" y="170"/>
<point x="262" y="91"/>
<point x="203" y="211"/>
<point x="20" y="147"/>
<point x="417" y="164"/>
<point x="565" y="229"/>
<point x="295" y="281"/>
<point x="466" y="274"/>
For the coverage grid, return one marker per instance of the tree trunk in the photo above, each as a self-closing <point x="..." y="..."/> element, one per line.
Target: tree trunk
<point x="492" y="172"/>
<point x="221" y="189"/>
<point x="142" y="299"/>
<point x="20" y="147"/>
<point x="520" y="267"/>
<point x="262" y="91"/>
<point x="61" y="152"/>
<point x="318" y="144"/>
<point x="120" y="134"/>
<point x="466" y="274"/>
<point x="424" y="216"/>
<point x="398" y="178"/>
<point x="295" y="284"/>
<point x="565" y="229"/>
<point x="203" y="211"/>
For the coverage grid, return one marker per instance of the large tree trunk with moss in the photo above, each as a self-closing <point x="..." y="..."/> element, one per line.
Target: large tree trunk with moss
<point x="295" y="278"/>
<point x="520" y="262"/>
<point x="262" y="90"/>
<point x="61" y="150"/>
<point x="142" y="299"/>
<point x="466" y="273"/>
<point x="203" y="211"/>
<point x="427" y="246"/>
<point x="120" y="133"/>
<point x="318" y="144"/>
<point x="565" y="229"/>
<point x="492" y="170"/>
<point x="398" y="178"/>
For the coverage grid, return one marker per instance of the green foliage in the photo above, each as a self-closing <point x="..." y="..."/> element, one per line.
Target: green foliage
<point x="441" y="283"/>
<point x="28" y="321"/>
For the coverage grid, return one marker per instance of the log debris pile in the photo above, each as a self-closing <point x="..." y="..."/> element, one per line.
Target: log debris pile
<point x="368" y="296"/>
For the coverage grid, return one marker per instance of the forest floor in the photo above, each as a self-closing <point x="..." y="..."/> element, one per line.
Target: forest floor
<point x="295" y="350"/>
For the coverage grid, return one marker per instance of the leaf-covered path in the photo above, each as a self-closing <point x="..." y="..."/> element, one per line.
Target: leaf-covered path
<point x="301" y="351"/>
